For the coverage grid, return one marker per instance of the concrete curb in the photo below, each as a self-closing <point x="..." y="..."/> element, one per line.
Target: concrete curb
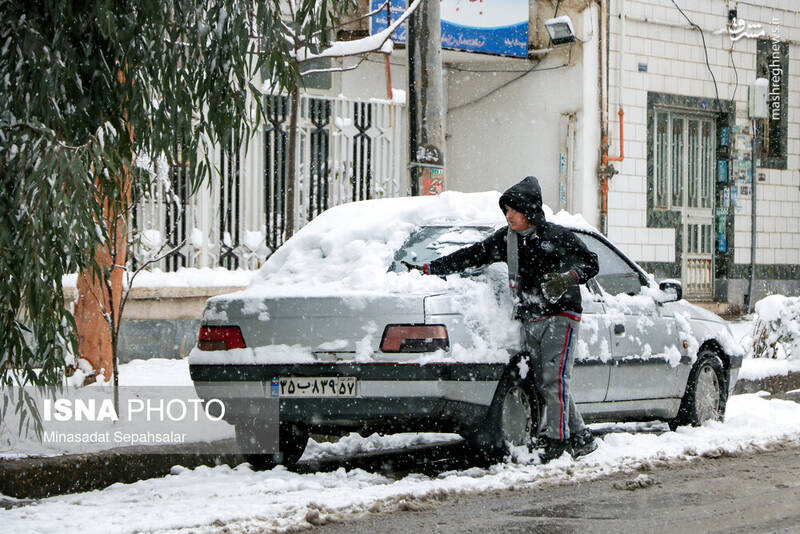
<point x="38" y="477"/>
<point x="35" y="478"/>
<point x="774" y="384"/>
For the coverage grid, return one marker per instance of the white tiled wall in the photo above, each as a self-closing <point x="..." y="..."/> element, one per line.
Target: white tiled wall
<point x="675" y="62"/>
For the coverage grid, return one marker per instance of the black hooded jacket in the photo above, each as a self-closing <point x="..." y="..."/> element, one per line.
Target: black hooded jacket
<point x="549" y="249"/>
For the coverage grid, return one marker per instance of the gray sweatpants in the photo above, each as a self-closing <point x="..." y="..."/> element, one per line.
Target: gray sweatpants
<point x="550" y="342"/>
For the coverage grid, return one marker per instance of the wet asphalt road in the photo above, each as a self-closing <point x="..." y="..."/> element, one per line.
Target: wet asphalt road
<point x="751" y="492"/>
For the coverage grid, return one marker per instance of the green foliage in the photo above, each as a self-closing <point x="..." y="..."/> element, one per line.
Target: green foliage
<point x="87" y="88"/>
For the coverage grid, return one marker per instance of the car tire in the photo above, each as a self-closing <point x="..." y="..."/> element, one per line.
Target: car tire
<point x="706" y="392"/>
<point x="512" y="419"/>
<point x="252" y="436"/>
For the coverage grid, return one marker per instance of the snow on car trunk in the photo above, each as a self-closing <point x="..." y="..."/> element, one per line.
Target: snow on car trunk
<point x="345" y="326"/>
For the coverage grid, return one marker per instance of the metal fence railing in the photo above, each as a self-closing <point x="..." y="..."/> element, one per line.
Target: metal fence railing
<point x="347" y="150"/>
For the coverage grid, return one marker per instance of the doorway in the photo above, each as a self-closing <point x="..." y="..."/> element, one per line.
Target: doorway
<point x="684" y="170"/>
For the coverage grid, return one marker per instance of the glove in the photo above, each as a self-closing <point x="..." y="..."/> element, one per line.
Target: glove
<point x="411" y="267"/>
<point x="555" y="284"/>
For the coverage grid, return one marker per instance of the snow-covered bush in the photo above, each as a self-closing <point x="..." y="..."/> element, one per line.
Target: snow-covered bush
<point x="776" y="328"/>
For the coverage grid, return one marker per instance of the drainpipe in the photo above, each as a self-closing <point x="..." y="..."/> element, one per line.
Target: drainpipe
<point x="751" y="283"/>
<point x="607" y="171"/>
<point x="603" y="44"/>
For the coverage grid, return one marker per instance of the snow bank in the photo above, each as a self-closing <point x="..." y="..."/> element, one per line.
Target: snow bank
<point x="238" y="499"/>
<point x="776" y="332"/>
<point x="758" y="368"/>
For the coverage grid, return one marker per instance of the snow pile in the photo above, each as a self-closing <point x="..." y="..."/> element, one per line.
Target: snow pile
<point x="758" y="368"/>
<point x="356" y="444"/>
<point x="224" y="499"/>
<point x="350" y="247"/>
<point x="776" y="329"/>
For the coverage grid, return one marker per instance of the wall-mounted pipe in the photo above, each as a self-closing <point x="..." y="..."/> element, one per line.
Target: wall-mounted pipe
<point x="606" y="171"/>
<point x="606" y="157"/>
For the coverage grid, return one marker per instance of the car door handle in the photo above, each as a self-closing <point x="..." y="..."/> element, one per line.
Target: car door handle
<point x="619" y="329"/>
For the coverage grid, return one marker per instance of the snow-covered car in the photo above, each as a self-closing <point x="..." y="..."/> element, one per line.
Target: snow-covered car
<point x="346" y="339"/>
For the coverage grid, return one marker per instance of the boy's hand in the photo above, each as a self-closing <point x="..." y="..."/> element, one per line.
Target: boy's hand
<point x="556" y="284"/>
<point x="412" y="267"/>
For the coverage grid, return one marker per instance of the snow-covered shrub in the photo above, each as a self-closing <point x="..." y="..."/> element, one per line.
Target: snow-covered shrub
<point x="776" y="329"/>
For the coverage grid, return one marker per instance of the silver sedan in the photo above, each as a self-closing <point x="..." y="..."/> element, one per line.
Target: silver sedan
<point x="643" y="354"/>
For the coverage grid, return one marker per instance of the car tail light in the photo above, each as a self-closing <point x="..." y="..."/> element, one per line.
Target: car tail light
<point x="220" y="338"/>
<point x="414" y="338"/>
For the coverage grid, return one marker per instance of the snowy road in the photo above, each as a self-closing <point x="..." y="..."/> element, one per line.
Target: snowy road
<point x="732" y="493"/>
<point x="215" y="499"/>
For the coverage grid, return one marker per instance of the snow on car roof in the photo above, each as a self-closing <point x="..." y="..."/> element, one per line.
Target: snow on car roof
<point x="350" y="247"/>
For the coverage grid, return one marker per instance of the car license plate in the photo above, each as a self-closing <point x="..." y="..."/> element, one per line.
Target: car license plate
<point x="313" y="386"/>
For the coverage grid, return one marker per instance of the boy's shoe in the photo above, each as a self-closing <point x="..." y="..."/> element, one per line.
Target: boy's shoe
<point x="582" y="443"/>
<point x="552" y="448"/>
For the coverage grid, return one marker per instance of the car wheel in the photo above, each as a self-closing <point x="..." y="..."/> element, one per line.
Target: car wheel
<point x="252" y="436"/>
<point x="706" y="393"/>
<point x="511" y="421"/>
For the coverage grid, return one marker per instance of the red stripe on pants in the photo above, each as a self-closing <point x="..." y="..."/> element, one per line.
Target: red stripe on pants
<point x="561" y="382"/>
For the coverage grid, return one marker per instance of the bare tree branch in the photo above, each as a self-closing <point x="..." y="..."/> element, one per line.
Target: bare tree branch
<point x="359" y="46"/>
<point x="335" y="69"/>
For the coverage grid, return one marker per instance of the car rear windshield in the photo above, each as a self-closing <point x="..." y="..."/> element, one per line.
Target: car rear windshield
<point x="431" y="242"/>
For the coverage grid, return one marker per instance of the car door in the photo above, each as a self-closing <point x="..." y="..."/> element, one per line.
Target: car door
<point x="593" y="352"/>
<point x="644" y="363"/>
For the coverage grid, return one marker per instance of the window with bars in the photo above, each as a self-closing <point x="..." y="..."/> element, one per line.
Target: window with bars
<point x="683" y="162"/>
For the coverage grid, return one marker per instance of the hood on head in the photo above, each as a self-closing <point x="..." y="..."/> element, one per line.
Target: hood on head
<point x="526" y="198"/>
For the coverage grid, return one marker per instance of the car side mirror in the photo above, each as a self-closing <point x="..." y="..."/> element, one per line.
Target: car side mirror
<point x="672" y="289"/>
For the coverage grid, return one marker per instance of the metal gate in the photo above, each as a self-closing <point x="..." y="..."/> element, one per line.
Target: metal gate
<point x="347" y="150"/>
<point x="684" y="170"/>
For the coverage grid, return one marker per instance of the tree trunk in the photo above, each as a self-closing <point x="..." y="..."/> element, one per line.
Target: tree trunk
<point x="94" y="331"/>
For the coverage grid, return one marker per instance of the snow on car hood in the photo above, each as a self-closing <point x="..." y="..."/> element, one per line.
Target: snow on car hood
<point x="350" y="247"/>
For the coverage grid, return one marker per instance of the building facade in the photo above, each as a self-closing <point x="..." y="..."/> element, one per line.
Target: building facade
<point x="681" y="203"/>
